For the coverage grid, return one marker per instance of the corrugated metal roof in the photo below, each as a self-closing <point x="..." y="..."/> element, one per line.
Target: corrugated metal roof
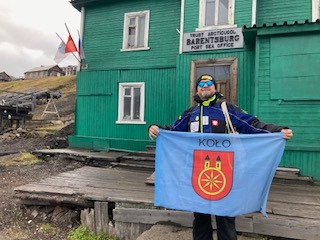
<point x="250" y="33"/>
<point x="42" y="68"/>
<point x="285" y="23"/>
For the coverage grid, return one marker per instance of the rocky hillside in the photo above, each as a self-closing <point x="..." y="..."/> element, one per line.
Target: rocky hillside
<point x="41" y="131"/>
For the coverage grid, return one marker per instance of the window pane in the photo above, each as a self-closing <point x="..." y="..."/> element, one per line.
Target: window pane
<point x="132" y="33"/>
<point x="222" y="72"/>
<point x="142" y="21"/>
<point x="132" y="21"/>
<point x="210" y="5"/>
<point x="218" y="72"/>
<point x="127" y="108"/>
<point x="136" y="103"/>
<point x="223" y="12"/>
<point x="127" y="91"/>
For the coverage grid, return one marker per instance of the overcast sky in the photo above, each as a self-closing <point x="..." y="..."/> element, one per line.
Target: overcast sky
<point x="28" y="33"/>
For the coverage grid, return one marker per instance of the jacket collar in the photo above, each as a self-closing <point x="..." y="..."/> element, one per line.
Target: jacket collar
<point x="208" y="102"/>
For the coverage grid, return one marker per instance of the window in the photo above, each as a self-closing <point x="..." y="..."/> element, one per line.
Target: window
<point x="131" y="103"/>
<point x="136" y="31"/>
<point x="216" y="14"/>
<point x="315" y="10"/>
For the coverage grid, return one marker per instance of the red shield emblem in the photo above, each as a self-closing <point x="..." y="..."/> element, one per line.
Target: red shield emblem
<point x="212" y="173"/>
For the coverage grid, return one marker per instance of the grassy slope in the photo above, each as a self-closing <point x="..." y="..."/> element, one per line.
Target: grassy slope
<point x="62" y="84"/>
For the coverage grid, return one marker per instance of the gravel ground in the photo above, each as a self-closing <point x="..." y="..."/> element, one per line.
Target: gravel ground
<point x="17" y="222"/>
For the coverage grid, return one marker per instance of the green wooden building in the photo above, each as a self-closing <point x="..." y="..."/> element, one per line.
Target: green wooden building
<point x="142" y="58"/>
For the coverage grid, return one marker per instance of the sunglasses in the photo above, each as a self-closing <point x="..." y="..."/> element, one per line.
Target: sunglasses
<point x="209" y="84"/>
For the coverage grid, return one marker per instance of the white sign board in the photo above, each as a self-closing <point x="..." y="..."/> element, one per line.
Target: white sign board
<point x="213" y="40"/>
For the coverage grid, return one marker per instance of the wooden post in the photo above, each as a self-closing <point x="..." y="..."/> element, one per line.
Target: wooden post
<point x="51" y="101"/>
<point x="87" y="219"/>
<point x="97" y="219"/>
<point x="1" y="123"/>
<point x="24" y="122"/>
<point x="101" y="217"/>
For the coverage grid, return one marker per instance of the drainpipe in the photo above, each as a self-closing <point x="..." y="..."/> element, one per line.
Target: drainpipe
<point x="181" y="25"/>
<point x="254" y="13"/>
<point x="315" y="10"/>
<point x="257" y="55"/>
<point x="83" y="12"/>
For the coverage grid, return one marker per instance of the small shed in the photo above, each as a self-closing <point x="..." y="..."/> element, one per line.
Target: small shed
<point x="44" y="71"/>
<point x="5" y="77"/>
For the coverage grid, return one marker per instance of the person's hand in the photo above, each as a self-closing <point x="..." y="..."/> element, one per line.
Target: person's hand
<point x="153" y="132"/>
<point x="287" y="133"/>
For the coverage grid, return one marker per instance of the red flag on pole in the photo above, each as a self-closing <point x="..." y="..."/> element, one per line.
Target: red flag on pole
<point x="70" y="45"/>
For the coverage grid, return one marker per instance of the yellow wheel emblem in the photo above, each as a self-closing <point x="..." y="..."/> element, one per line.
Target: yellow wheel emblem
<point x="212" y="181"/>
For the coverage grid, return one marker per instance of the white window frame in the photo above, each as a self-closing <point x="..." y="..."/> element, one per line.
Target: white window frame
<point x="127" y="17"/>
<point x="202" y="16"/>
<point x="315" y="10"/>
<point x="122" y="86"/>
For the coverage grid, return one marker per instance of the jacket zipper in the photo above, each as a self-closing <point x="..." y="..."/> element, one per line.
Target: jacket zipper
<point x="201" y="118"/>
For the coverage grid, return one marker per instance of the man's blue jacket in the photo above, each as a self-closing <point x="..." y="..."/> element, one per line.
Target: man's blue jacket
<point x="207" y="117"/>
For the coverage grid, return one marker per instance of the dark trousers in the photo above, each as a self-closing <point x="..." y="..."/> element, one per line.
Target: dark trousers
<point x="202" y="228"/>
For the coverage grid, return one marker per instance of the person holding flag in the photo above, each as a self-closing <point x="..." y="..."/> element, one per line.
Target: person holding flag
<point x="207" y="117"/>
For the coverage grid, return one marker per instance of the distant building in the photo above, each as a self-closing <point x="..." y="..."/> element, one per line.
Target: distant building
<point x="44" y="71"/>
<point x="5" y="77"/>
<point x="69" y="70"/>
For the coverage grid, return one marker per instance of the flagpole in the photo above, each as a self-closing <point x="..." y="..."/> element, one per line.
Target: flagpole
<point x="67" y="29"/>
<point x="60" y="38"/>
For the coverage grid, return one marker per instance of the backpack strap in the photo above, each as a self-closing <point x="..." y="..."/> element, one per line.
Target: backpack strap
<point x="229" y="124"/>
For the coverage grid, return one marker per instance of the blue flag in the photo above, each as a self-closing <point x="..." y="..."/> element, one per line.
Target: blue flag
<point x="220" y="174"/>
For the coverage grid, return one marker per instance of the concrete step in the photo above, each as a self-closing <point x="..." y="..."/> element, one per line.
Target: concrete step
<point x="288" y="171"/>
<point x="139" y="160"/>
<point x="143" y="154"/>
<point x="133" y="158"/>
<point x="139" y="167"/>
<point x="287" y="179"/>
<point x="291" y="176"/>
<point x="151" y="148"/>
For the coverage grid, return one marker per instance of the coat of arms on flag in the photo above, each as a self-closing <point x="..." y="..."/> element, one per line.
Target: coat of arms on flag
<point x="212" y="173"/>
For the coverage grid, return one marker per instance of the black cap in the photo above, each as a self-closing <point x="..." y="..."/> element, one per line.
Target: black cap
<point x="206" y="77"/>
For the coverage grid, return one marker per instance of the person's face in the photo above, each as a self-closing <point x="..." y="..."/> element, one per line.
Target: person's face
<point x="206" y="89"/>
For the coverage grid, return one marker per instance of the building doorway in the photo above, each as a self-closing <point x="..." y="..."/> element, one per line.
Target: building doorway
<point x="225" y="72"/>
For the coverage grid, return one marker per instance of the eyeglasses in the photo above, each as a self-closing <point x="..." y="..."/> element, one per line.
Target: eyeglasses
<point x="209" y="84"/>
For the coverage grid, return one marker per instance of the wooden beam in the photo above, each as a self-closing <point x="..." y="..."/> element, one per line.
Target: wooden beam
<point x="101" y="216"/>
